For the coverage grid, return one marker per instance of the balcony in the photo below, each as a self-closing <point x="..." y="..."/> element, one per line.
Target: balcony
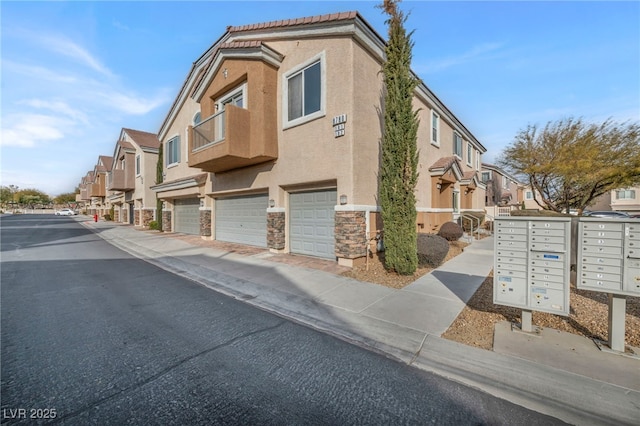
<point x="231" y="139"/>
<point x="96" y="190"/>
<point x="84" y="194"/>
<point x="120" y="181"/>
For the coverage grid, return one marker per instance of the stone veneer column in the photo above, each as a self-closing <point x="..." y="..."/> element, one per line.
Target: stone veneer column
<point x="136" y="217"/>
<point x="147" y="216"/>
<point x="275" y="230"/>
<point x="205" y="222"/>
<point x="351" y="234"/>
<point x="116" y="214"/>
<point x="166" y="221"/>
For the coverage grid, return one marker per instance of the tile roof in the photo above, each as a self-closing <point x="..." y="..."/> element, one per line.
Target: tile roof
<point x="143" y="139"/>
<point x="443" y="163"/>
<point x="332" y="17"/>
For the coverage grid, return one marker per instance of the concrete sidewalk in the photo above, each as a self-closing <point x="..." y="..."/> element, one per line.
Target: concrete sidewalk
<point x="567" y="377"/>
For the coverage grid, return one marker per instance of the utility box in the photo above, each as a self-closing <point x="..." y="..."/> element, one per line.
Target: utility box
<point x="609" y="255"/>
<point x="532" y="263"/>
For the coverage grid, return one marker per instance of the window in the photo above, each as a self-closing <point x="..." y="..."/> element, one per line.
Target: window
<point x="457" y="144"/>
<point x="304" y="92"/>
<point x="435" y="128"/>
<point x="469" y="154"/>
<point x="505" y="182"/>
<point x="455" y="201"/>
<point x="197" y="119"/>
<point x="528" y="195"/>
<point x="486" y="177"/>
<point x="173" y="151"/>
<point x="477" y="160"/>
<point x="137" y="165"/>
<point x="626" y="194"/>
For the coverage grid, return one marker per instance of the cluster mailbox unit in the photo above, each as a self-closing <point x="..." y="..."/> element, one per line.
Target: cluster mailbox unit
<point x="609" y="255"/>
<point x="609" y="262"/>
<point x="532" y="264"/>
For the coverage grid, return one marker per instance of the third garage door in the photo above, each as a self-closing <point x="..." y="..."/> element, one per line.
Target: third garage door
<point x="312" y="223"/>
<point x="242" y="220"/>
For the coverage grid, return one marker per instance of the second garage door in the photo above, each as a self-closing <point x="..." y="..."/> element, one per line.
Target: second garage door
<point x="312" y="223"/>
<point x="187" y="215"/>
<point x="242" y="220"/>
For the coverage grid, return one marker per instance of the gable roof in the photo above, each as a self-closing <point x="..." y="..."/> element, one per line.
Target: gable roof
<point x="143" y="139"/>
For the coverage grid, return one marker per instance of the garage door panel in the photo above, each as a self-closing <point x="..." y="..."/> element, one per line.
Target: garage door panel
<point x="187" y="215"/>
<point x="312" y="223"/>
<point x="242" y="220"/>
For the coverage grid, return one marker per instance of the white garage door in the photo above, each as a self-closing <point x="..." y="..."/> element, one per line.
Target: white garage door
<point x="187" y="215"/>
<point x="312" y="223"/>
<point x="242" y="220"/>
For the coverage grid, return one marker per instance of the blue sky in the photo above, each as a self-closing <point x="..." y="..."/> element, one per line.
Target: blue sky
<point x="74" y="73"/>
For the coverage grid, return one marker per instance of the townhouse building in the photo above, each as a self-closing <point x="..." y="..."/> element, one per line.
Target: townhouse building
<point x="132" y="173"/>
<point x="503" y="189"/>
<point x="97" y="189"/>
<point x="274" y="140"/>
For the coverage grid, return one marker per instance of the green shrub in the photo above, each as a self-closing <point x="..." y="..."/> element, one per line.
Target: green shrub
<point x="432" y="249"/>
<point x="450" y="231"/>
<point x="107" y="216"/>
<point x="154" y="225"/>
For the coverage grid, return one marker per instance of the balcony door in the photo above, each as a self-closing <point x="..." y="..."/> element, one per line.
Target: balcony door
<point x="236" y="98"/>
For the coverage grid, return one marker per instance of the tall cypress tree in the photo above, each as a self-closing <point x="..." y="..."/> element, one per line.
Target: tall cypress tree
<point x="398" y="168"/>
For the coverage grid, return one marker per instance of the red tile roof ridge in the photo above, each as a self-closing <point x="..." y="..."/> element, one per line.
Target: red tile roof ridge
<point x="339" y="16"/>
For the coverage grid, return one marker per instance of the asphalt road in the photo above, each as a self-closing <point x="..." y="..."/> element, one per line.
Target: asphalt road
<point x="92" y="335"/>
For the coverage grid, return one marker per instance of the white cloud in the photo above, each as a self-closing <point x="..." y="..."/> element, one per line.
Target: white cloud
<point x="131" y="104"/>
<point x="58" y="107"/>
<point x="37" y="73"/>
<point x="28" y="130"/>
<point x="476" y="53"/>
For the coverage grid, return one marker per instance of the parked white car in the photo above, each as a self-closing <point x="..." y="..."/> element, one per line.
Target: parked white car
<point x="66" y="212"/>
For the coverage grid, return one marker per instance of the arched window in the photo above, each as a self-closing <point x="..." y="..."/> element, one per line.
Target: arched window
<point x="196" y="119"/>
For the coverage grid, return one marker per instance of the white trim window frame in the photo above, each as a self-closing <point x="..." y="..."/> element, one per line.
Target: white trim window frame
<point x="477" y="160"/>
<point x="138" y="165"/>
<point x="236" y="97"/>
<point x="435" y="128"/>
<point x="625" y="194"/>
<point x="457" y="144"/>
<point x="528" y="195"/>
<point x="469" y="154"/>
<point x="308" y="101"/>
<point x="455" y="200"/>
<point x="172" y="151"/>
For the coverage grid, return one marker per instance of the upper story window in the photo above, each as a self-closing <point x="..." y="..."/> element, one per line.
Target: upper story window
<point x="197" y="119"/>
<point x="435" y="128"/>
<point x="457" y="144"/>
<point x="469" y="154"/>
<point x="137" y="165"/>
<point x="626" y="194"/>
<point x="486" y="177"/>
<point x="304" y="92"/>
<point x="172" y="151"/>
<point x="528" y="195"/>
<point x="477" y="160"/>
<point x="505" y="182"/>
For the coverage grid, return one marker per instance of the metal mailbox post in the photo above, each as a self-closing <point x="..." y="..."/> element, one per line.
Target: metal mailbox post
<point x="609" y="261"/>
<point x="532" y="265"/>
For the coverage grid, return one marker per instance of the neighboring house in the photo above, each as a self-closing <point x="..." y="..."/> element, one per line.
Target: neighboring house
<point x="274" y="141"/>
<point x="503" y="189"/>
<point x="624" y="199"/>
<point x="132" y="173"/>
<point x="84" y="197"/>
<point x="97" y="190"/>
<point x="526" y="196"/>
